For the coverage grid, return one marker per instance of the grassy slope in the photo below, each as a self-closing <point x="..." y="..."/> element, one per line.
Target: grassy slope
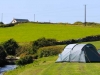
<point x="29" y="32"/>
<point x="47" y="66"/>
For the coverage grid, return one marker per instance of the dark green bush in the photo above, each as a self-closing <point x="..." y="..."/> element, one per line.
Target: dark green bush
<point x="42" y="42"/>
<point x="84" y="39"/>
<point x="49" y="51"/>
<point x="10" y="46"/>
<point x="25" y="60"/>
<point x="2" y="53"/>
<point x="2" y="56"/>
<point x="1" y="23"/>
<point x="6" y="25"/>
<point x="9" y="25"/>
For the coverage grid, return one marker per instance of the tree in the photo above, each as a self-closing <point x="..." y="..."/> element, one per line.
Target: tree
<point x="1" y="23"/>
<point x="2" y="53"/>
<point x="10" y="47"/>
<point x="2" y="56"/>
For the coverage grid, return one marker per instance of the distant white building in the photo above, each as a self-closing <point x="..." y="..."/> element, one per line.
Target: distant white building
<point x="19" y="20"/>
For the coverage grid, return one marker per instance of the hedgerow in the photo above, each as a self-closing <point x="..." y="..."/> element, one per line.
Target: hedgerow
<point x="49" y="51"/>
<point x="25" y="60"/>
<point x="42" y="42"/>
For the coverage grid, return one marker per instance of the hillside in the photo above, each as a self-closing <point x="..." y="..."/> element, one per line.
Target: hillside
<point x="27" y="32"/>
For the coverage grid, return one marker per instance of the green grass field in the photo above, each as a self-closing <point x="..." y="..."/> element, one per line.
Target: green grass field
<point x="28" y="32"/>
<point x="47" y="66"/>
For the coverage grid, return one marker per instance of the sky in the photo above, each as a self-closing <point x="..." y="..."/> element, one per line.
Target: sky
<point x="67" y="11"/>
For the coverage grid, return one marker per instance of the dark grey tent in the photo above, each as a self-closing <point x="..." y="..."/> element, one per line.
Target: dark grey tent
<point x="79" y="53"/>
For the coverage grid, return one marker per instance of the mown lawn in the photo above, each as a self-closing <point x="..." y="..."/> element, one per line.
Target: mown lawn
<point x="47" y="66"/>
<point x="28" y="32"/>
